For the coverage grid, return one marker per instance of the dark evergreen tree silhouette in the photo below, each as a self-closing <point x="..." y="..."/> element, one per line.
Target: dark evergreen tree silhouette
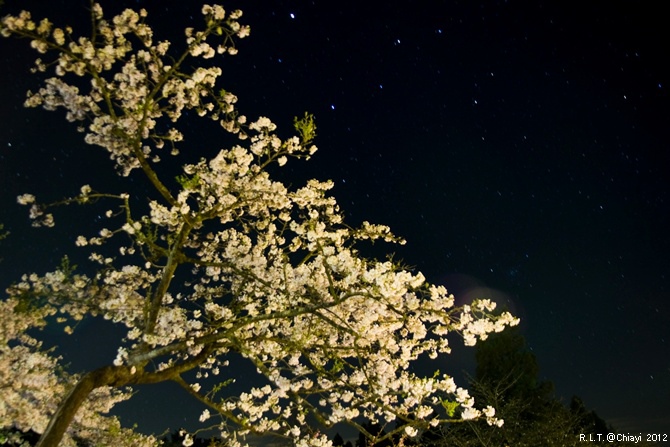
<point x="374" y="432"/>
<point x="176" y="439"/>
<point x="507" y="378"/>
<point x="338" y="441"/>
<point x="587" y="421"/>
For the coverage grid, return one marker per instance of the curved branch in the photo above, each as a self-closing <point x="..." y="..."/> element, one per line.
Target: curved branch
<point x="106" y="376"/>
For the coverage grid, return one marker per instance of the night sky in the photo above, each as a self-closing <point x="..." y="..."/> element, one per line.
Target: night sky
<point x="521" y="148"/>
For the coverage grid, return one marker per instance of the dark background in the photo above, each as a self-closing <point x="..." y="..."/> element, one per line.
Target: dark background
<point x="520" y="147"/>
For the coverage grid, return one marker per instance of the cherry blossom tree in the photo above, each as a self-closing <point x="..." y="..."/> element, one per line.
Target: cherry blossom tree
<point x="225" y="264"/>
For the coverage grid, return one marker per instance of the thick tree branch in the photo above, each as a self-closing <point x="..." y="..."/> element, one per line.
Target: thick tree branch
<point x="115" y="376"/>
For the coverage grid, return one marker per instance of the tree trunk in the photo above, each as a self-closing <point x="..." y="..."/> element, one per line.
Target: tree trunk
<point x="115" y="376"/>
<point x="62" y="418"/>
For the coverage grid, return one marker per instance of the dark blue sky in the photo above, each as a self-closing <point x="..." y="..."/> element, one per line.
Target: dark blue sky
<point x="521" y="149"/>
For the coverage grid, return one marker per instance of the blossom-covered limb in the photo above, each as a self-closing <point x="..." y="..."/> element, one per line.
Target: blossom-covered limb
<point x="227" y="264"/>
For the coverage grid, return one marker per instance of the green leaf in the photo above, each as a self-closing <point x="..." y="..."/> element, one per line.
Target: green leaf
<point x="449" y="406"/>
<point x="187" y="182"/>
<point x="306" y="127"/>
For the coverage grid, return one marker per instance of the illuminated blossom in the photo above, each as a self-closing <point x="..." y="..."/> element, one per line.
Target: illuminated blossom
<point x="224" y="264"/>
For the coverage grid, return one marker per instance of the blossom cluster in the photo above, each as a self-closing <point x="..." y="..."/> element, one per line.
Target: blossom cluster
<point x="227" y="264"/>
<point x="137" y="86"/>
<point x="32" y="386"/>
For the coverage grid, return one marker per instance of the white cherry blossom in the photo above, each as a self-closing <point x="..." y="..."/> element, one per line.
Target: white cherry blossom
<point x="225" y="265"/>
